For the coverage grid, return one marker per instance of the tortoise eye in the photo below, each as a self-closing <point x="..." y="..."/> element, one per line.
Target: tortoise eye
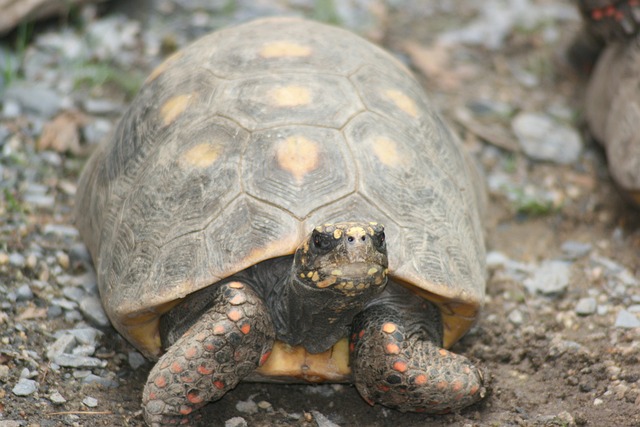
<point x="323" y="241"/>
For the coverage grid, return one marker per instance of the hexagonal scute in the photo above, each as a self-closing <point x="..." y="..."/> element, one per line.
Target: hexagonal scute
<point x="391" y="93"/>
<point x="284" y="99"/>
<point x="281" y="47"/>
<point x="402" y="177"/>
<point x="249" y="232"/>
<point x="298" y="167"/>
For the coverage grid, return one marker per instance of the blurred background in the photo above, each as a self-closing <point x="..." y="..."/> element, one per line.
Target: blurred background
<point x="560" y="334"/>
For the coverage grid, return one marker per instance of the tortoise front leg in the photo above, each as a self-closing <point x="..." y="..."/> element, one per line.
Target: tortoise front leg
<point x="398" y="360"/>
<point x="228" y="342"/>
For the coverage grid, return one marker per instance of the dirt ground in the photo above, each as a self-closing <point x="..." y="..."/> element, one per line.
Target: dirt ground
<point x="548" y="365"/>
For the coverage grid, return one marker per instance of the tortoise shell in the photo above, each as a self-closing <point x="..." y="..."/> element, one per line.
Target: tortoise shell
<point x="612" y="110"/>
<point x="240" y="144"/>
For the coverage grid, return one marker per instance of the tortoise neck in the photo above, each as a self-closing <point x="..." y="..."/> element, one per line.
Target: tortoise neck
<point x="313" y="318"/>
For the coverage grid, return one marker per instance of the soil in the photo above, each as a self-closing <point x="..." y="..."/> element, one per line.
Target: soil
<point x="550" y="367"/>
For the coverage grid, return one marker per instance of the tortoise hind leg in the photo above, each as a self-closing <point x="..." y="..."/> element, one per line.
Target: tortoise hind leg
<point x="398" y="360"/>
<point x="228" y="342"/>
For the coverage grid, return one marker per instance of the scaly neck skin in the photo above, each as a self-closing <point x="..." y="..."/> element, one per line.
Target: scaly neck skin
<point x="314" y="318"/>
<point x="334" y="273"/>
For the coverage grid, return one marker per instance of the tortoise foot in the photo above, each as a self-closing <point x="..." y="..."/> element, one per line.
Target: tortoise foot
<point x="611" y="19"/>
<point x="396" y="364"/>
<point x="221" y="348"/>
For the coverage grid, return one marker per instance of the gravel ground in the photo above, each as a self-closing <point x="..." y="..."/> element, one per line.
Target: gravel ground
<point x="561" y="330"/>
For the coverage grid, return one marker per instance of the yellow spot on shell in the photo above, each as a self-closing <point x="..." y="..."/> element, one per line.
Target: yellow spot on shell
<point x="386" y="151"/>
<point x="298" y="156"/>
<point x="337" y="233"/>
<point x="201" y="155"/>
<point x="290" y="96"/>
<point x="315" y="276"/>
<point x="348" y="285"/>
<point x="372" y="271"/>
<point x="337" y="272"/>
<point x="175" y="106"/>
<point x="282" y="49"/>
<point x="402" y="101"/>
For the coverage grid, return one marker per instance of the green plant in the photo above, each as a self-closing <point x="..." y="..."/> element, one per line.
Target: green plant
<point x="325" y="11"/>
<point x="96" y="75"/>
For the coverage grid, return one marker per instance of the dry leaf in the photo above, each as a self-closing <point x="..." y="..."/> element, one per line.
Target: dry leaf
<point x="62" y="134"/>
<point x="435" y="63"/>
<point x="33" y="313"/>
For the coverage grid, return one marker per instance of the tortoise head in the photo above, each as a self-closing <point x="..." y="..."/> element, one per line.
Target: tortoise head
<point x="348" y="257"/>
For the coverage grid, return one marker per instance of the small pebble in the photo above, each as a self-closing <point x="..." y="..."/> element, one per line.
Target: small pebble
<point x="550" y="278"/>
<point x="264" y="405"/>
<point x="64" y="344"/>
<point x="91" y="308"/>
<point x="136" y="359"/>
<point x="23" y="293"/>
<point x="104" y="382"/>
<point x="73" y="293"/>
<point x="575" y="250"/>
<point x="17" y="260"/>
<point x="61" y="230"/>
<point x="322" y="420"/>
<point x="586" y="306"/>
<point x="236" y="422"/>
<point x="542" y="138"/>
<point x="247" y="407"/>
<point x="86" y="335"/>
<point x="516" y="317"/>
<point x="90" y="402"/>
<point x="57" y="398"/>
<point x="71" y="361"/>
<point x="63" y="260"/>
<point x="25" y="387"/>
<point x="627" y="320"/>
<point x="4" y="373"/>
<point x="83" y="350"/>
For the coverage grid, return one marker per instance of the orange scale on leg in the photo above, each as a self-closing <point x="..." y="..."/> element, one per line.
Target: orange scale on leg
<point x="176" y="368"/>
<point x="234" y="314"/>
<point x="400" y="366"/>
<point x="420" y="379"/>
<point x="389" y="328"/>
<point x="392" y="348"/>
<point x="194" y="397"/>
<point x="204" y="370"/>
<point x="218" y="384"/>
<point x="264" y="357"/>
<point x="219" y="330"/>
<point x="160" y="382"/>
<point x="185" y="410"/>
<point x="245" y="328"/>
<point x="191" y="352"/>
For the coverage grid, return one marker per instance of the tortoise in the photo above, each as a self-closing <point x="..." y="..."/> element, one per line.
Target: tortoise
<point x="282" y="202"/>
<point x="612" y="101"/>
